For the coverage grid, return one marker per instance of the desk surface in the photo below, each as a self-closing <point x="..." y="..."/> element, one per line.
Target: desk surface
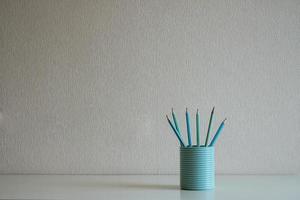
<point x="145" y="187"/>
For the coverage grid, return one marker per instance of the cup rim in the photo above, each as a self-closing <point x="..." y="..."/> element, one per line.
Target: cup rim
<point x="197" y="147"/>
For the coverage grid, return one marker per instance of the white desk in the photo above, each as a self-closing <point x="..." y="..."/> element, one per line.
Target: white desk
<point x="145" y="187"/>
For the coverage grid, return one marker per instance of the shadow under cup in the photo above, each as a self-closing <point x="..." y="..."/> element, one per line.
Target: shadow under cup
<point x="197" y="168"/>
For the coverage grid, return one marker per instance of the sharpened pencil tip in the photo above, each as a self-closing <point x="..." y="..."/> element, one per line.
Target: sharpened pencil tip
<point x="172" y="110"/>
<point x="186" y="110"/>
<point x="167" y="116"/>
<point x="197" y="110"/>
<point x="224" y="120"/>
<point x="213" y="109"/>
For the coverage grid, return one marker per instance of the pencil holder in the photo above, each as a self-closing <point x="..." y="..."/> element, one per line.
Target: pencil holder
<point x="197" y="168"/>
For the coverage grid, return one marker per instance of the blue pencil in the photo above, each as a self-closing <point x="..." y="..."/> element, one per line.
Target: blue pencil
<point x="209" y="125"/>
<point x="198" y="128"/>
<point x="188" y="127"/>
<point x="176" y="132"/>
<point x="218" y="133"/>
<point x="175" y="122"/>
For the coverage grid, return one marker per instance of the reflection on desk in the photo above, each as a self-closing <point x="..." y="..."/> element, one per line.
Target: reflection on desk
<point x="145" y="187"/>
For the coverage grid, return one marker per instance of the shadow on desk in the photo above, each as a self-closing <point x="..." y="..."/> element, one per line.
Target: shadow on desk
<point x="126" y="185"/>
<point x="137" y="186"/>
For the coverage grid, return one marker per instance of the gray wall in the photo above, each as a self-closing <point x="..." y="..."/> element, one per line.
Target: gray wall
<point x="85" y="86"/>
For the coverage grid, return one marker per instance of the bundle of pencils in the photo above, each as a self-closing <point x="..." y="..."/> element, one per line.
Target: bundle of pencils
<point x="175" y="127"/>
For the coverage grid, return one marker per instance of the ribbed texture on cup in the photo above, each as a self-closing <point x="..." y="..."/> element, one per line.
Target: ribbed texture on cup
<point x="197" y="168"/>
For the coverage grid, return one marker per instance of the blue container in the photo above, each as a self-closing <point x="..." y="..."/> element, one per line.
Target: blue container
<point x="197" y="168"/>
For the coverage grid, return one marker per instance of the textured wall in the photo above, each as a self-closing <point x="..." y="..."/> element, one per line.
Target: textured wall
<point x="85" y="86"/>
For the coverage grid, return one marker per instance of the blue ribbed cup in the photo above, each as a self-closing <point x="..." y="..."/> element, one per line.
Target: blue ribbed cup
<point x="197" y="168"/>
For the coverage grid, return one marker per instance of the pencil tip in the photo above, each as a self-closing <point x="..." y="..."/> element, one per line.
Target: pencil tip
<point x="197" y="110"/>
<point x="172" y="110"/>
<point x="224" y="120"/>
<point x="213" y="109"/>
<point x="186" y="110"/>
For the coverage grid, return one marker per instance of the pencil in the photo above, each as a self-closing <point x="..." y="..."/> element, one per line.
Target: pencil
<point x="209" y="126"/>
<point x="198" y="128"/>
<point x="175" y="122"/>
<point x="176" y="133"/>
<point x="218" y="133"/>
<point x="188" y="127"/>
